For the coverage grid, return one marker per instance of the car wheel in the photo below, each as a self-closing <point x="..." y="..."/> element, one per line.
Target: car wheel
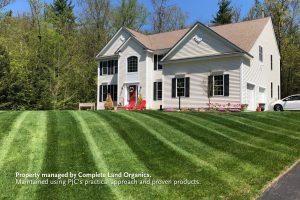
<point x="278" y="107"/>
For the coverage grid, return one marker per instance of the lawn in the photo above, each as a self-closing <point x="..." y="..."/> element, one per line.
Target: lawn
<point x="232" y="155"/>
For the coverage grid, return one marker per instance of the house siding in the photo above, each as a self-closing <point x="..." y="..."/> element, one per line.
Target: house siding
<point x="260" y="73"/>
<point x="210" y="45"/>
<point x="198" y="72"/>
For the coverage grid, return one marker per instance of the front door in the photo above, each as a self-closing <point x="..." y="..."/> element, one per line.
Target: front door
<point x="132" y="93"/>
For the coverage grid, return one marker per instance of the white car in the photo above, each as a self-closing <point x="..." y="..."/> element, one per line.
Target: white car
<point x="288" y="103"/>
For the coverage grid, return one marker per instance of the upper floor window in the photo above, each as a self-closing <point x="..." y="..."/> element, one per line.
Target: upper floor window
<point x="108" y="67"/>
<point x="261" y="54"/>
<point x="132" y="64"/>
<point x="271" y="62"/>
<point x="157" y="59"/>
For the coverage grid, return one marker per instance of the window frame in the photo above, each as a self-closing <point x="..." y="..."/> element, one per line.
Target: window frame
<point x="223" y="86"/>
<point x="130" y="66"/>
<point x="272" y="90"/>
<point x="108" y="67"/>
<point x="110" y="89"/>
<point x="158" y="91"/>
<point x="156" y="60"/>
<point x="271" y="62"/>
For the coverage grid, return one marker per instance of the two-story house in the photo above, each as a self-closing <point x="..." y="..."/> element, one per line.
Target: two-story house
<point x="236" y="63"/>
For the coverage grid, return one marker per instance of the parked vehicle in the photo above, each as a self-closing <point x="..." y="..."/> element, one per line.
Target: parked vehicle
<point x="289" y="103"/>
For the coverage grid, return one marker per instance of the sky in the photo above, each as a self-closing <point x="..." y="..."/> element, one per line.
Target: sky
<point x="197" y="10"/>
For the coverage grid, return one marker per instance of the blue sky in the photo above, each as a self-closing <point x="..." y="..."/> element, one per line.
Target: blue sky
<point x="197" y="10"/>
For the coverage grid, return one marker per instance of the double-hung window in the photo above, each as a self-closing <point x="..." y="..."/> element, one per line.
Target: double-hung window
<point x="180" y="87"/>
<point x="219" y="85"/>
<point x="108" y="67"/>
<point x="157" y="91"/>
<point x="104" y="90"/>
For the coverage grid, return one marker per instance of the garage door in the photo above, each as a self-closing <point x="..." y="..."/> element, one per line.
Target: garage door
<point x="251" y="96"/>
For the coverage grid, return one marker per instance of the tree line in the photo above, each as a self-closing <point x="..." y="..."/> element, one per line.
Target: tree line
<point x="47" y="55"/>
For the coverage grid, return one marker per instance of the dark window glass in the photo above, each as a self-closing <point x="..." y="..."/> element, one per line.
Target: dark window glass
<point x="219" y="85"/>
<point x="116" y="66"/>
<point x="278" y="92"/>
<point x="159" y="90"/>
<point x="271" y="62"/>
<point x="180" y="87"/>
<point x="261" y="57"/>
<point x="159" y="59"/>
<point x="132" y="63"/>
<point x="271" y="90"/>
<point x="104" y="92"/>
<point x="104" y="69"/>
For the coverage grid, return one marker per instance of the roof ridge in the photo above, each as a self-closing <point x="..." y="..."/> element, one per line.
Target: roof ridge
<point x="252" y="20"/>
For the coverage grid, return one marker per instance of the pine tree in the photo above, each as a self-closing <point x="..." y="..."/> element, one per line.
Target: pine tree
<point x="62" y="15"/>
<point x="225" y="13"/>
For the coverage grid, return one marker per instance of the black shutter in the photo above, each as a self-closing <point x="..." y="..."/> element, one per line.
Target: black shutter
<point x="226" y="85"/>
<point x="155" y="62"/>
<point x="155" y="91"/>
<point x="115" y="92"/>
<point x="210" y="86"/>
<point x="173" y="87"/>
<point x="100" y="93"/>
<point x="187" y="87"/>
<point x="101" y="66"/>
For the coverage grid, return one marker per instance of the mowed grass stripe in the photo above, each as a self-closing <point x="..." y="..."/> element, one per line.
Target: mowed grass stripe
<point x="219" y="159"/>
<point x="164" y="162"/>
<point x="18" y="158"/>
<point x="120" y="158"/>
<point x="250" y="127"/>
<point x="233" y="181"/>
<point x="278" y="125"/>
<point x="263" y="144"/>
<point x="216" y="140"/>
<point x="7" y="141"/>
<point x="96" y="152"/>
<point x="36" y="155"/>
<point x="6" y="121"/>
<point x="68" y="151"/>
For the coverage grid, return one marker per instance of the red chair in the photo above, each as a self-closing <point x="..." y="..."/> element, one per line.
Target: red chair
<point x="130" y="106"/>
<point x="141" y="106"/>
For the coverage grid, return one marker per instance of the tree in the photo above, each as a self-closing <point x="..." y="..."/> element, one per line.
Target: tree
<point x="61" y="15"/>
<point x="236" y="17"/>
<point x="256" y="11"/>
<point x="4" y="3"/>
<point x="166" y="17"/>
<point x="225" y="13"/>
<point x="130" y="14"/>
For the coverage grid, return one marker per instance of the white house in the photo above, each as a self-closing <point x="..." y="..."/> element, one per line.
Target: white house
<point x="235" y="63"/>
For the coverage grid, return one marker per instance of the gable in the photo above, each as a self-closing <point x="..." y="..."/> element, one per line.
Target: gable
<point x="200" y="43"/>
<point x="120" y="38"/>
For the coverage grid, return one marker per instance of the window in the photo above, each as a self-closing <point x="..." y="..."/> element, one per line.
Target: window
<point x="261" y="57"/>
<point x="157" y="59"/>
<point x="180" y="87"/>
<point x="292" y="98"/>
<point x="278" y="92"/>
<point x="157" y="91"/>
<point x="104" y="69"/>
<point x="132" y="64"/>
<point x="108" y="67"/>
<point x="271" y="89"/>
<point x="218" y="85"/>
<point x="108" y="89"/>
<point x="271" y="62"/>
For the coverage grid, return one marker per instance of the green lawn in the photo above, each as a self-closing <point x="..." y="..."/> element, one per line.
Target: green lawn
<point x="232" y="155"/>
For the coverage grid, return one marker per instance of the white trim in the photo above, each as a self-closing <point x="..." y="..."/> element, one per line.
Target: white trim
<point x="110" y="41"/>
<point x="123" y="45"/>
<point x="178" y="43"/>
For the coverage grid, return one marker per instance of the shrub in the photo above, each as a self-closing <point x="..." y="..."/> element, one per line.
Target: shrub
<point x="109" y="105"/>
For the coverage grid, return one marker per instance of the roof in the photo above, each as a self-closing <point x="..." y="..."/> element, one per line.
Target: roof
<point x="242" y="34"/>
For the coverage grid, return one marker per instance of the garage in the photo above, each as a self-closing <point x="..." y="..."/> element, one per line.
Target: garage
<point x="251" y="96"/>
